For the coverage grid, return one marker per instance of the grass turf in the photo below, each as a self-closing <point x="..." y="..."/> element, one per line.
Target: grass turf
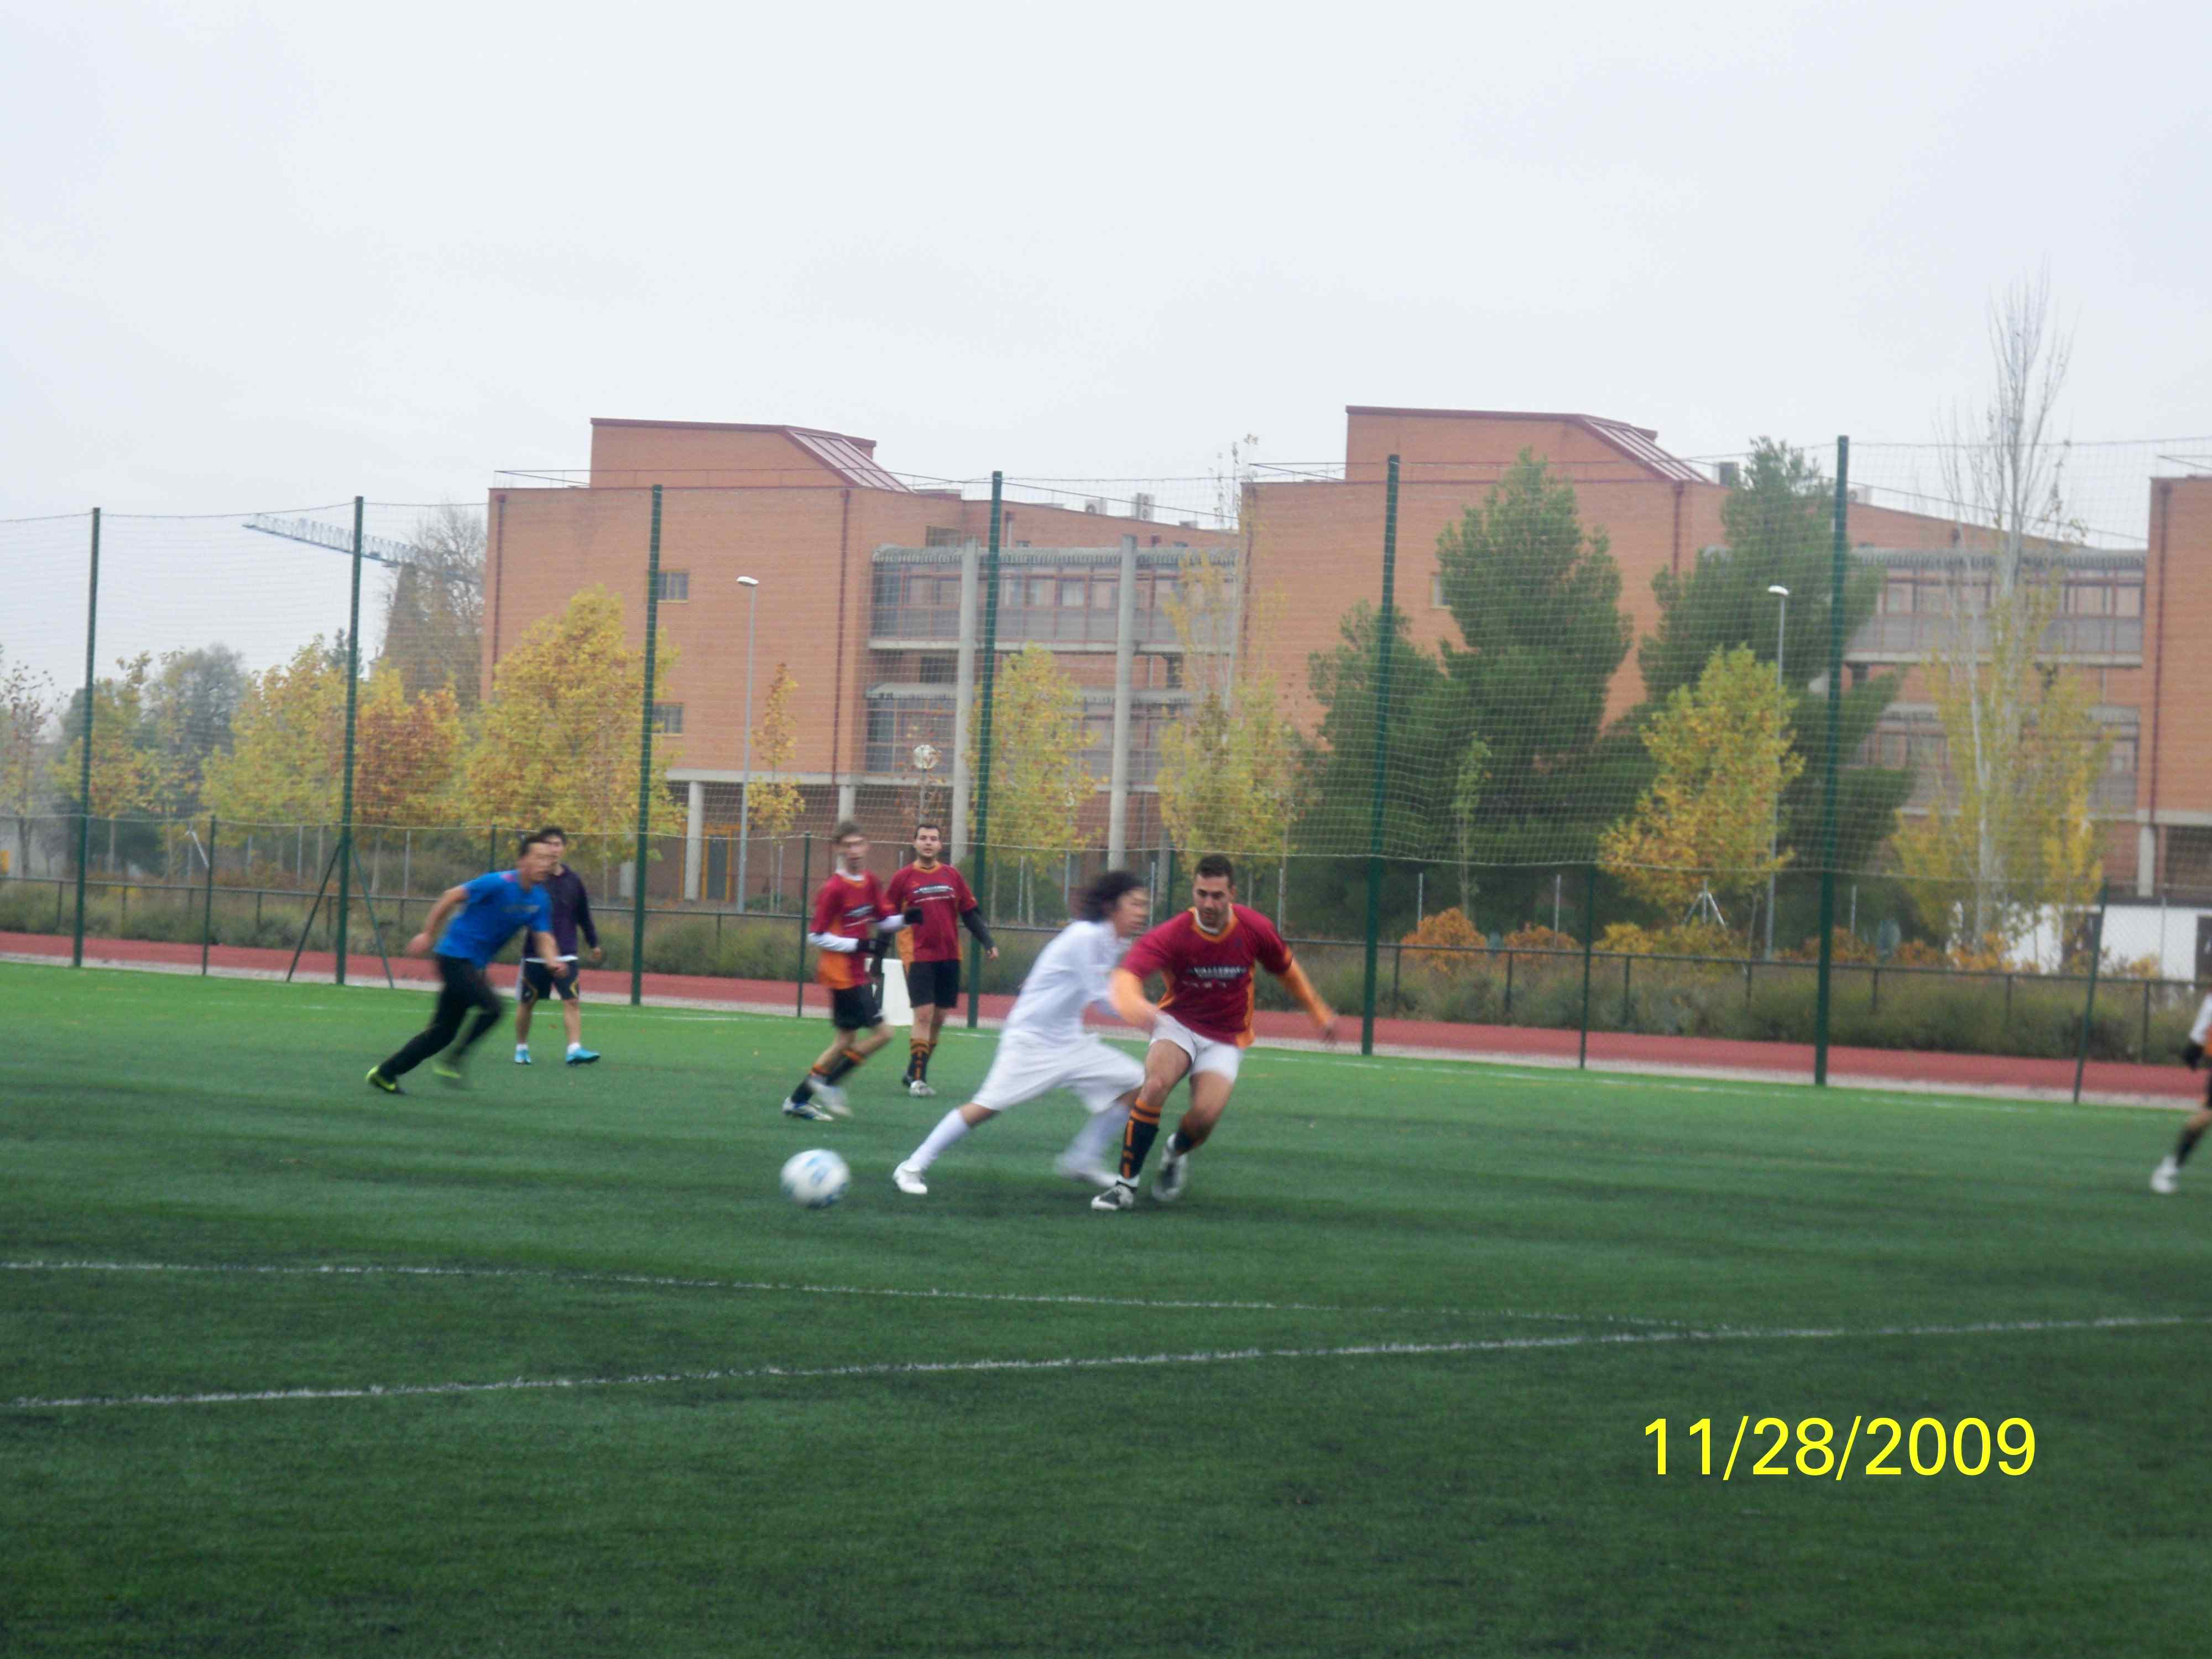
<point x="576" y="1380"/>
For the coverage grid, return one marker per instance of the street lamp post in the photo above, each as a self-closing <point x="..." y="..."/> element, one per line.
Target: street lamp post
<point x="1774" y="829"/>
<point x="752" y="585"/>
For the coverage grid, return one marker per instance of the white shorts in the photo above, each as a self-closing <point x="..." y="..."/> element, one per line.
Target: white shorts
<point x="1206" y="1054"/>
<point x="1026" y="1067"/>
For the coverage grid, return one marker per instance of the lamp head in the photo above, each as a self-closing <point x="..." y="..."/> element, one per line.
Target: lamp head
<point x="1777" y="590"/>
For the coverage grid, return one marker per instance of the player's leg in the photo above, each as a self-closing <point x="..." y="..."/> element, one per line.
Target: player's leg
<point x="526" y="993"/>
<point x="489" y="1008"/>
<point x="954" y="1125"/>
<point x="859" y="1024"/>
<point x="1106" y="1081"/>
<point x="1020" y="1070"/>
<point x="1166" y="1063"/>
<point x="572" y="1017"/>
<point x="1213" y="1080"/>
<point x="2163" y="1178"/>
<point x="924" y="1034"/>
<point x="452" y="1007"/>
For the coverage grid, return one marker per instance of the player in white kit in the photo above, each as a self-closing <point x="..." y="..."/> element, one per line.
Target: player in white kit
<point x="1044" y="1046"/>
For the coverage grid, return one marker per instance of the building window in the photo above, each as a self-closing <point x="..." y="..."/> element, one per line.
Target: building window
<point x="1437" y="590"/>
<point x="668" y="717"/>
<point x="1040" y="594"/>
<point x="674" y="586"/>
<point x="1174" y="673"/>
<point x="1073" y="592"/>
<point x="937" y="668"/>
<point x="937" y="535"/>
<point x="1105" y="592"/>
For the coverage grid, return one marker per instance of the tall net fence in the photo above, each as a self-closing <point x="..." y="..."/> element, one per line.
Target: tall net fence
<point x="1549" y="738"/>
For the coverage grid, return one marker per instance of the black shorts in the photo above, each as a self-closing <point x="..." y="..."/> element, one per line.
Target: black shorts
<point x="855" y="1008"/>
<point x="535" y="980"/>
<point x="933" y="983"/>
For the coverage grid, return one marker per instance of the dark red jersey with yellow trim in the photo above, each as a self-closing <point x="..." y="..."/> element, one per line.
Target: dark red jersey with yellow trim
<point x="849" y="906"/>
<point x="1209" y="976"/>
<point x="941" y="894"/>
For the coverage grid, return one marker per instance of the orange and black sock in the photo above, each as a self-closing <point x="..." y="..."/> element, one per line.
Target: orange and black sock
<point x="917" y="1064"/>
<point x="843" y="1061"/>
<point x="1137" y="1139"/>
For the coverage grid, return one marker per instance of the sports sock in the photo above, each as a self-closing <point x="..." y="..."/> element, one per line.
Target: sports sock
<point x="1176" y="1145"/>
<point x="1100" y="1131"/>
<point x="921" y="1054"/>
<point x="805" y="1091"/>
<point x="2187" y="1144"/>
<point x="574" y="1047"/>
<point x="1137" y="1139"/>
<point x="844" y="1061"/>
<point x="950" y="1128"/>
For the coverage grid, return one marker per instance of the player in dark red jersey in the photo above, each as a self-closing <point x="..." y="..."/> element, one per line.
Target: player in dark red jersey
<point x="930" y="949"/>
<point x="1201" y="1027"/>
<point x="851" y="913"/>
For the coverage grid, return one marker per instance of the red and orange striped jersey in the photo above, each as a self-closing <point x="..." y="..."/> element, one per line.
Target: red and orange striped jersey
<point x="850" y="906"/>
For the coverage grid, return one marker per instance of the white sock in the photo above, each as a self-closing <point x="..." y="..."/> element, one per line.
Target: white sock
<point x="574" y="1047"/>
<point x="1101" y="1131"/>
<point x="522" y="1047"/>
<point x="950" y="1128"/>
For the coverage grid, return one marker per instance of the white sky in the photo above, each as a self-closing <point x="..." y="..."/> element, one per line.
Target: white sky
<point x="259" y="256"/>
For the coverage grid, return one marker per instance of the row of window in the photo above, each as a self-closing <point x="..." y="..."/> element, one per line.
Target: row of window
<point x="1033" y="590"/>
<point x="1929" y="752"/>
<point x="1925" y="593"/>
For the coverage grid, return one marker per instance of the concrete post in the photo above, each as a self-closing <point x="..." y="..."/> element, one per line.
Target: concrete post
<point x="964" y="697"/>
<point x="1125" y="656"/>
<point x="695" y="826"/>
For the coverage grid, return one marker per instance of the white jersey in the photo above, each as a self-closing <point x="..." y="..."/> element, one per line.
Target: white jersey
<point x="2201" y="1033"/>
<point x="1069" y="975"/>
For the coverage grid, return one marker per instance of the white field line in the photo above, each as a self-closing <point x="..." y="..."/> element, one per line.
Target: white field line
<point x="768" y="1287"/>
<point x="1072" y="1363"/>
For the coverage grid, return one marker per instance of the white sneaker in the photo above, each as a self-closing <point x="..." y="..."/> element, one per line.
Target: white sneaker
<point x="920" y="1089"/>
<point x="2164" y="1178"/>
<point x="908" y="1179"/>
<point x="831" y="1099"/>
<point x="1090" y="1175"/>
<point x="805" y="1108"/>
<point x="1119" y="1196"/>
<point x="1174" y="1172"/>
<point x="521" y="1055"/>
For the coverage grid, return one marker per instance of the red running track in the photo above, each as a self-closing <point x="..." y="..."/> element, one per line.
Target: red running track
<point x="1878" y="1067"/>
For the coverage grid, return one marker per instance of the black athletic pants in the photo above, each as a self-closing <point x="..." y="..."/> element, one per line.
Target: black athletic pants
<point x="465" y="986"/>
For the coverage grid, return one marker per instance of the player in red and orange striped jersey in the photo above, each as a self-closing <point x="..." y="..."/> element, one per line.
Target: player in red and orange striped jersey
<point x="1201" y="1027"/>
<point x="851" y="913"/>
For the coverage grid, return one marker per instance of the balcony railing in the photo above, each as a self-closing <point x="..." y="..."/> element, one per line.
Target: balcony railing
<point x="886" y="755"/>
<point x="2112" y="796"/>
<point x="1913" y="637"/>
<point x="1071" y="626"/>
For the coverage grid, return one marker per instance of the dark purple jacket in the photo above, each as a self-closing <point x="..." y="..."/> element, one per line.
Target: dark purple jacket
<point x="572" y="909"/>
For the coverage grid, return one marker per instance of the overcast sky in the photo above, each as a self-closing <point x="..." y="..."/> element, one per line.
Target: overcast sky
<point x="262" y="256"/>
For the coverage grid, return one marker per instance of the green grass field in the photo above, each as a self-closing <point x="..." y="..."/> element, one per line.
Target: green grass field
<point x="549" y="1367"/>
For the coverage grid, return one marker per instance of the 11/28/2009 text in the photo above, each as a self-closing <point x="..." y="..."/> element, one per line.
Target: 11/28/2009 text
<point x="1928" y="1447"/>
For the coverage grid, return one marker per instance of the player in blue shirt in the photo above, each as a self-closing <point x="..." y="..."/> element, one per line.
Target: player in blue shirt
<point x="491" y="908"/>
<point x="572" y="911"/>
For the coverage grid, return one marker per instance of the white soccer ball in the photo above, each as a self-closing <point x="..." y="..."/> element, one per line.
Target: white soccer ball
<point x="815" y="1179"/>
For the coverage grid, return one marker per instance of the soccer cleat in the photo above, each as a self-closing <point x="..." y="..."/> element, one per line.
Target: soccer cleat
<point x="1174" y="1172"/>
<point x="1090" y="1175"/>
<point x="1119" y="1196"/>
<point x="920" y="1089"/>
<point x="582" y="1056"/>
<point x="447" y="1067"/>
<point x="805" y="1108"/>
<point x="908" y="1179"/>
<point x="2163" y="1179"/>
<point x="831" y="1099"/>
<point x="521" y="1053"/>
<point x="378" y="1080"/>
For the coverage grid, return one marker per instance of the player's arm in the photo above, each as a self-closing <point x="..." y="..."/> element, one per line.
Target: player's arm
<point x="1296" y="982"/>
<point x="549" y="954"/>
<point x="972" y="919"/>
<point x="2193" y="1052"/>
<point x="1126" y="992"/>
<point x="448" y="902"/>
<point x="824" y="935"/>
<point x="585" y="925"/>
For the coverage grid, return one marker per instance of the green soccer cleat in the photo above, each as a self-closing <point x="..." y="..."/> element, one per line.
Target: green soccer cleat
<point x="447" y="1067"/>
<point x="378" y="1080"/>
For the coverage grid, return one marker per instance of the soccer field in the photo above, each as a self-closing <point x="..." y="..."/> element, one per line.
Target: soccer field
<point x="550" y="1366"/>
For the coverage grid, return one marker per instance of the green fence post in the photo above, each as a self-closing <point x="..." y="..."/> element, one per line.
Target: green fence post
<point x="979" y="852"/>
<point x="84" y="779"/>
<point x="1590" y="935"/>
<point x="207" y="913"/>
<point x="1385" y="638"/>
<point x="2089" y="1007"/>
<point x="1837" y="572"/>
<point x="645" y="756"/>
<point x="345" y="793"/>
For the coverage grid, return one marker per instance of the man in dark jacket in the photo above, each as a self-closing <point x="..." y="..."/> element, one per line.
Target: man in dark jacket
<point x="572" y="913"/>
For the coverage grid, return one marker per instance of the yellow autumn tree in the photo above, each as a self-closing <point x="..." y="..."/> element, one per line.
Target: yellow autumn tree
<point x="775" y="799"/>
<point x="126" y="772"/>
<point x="405" y="749"/>
<point x="1724" y="758"/>
<point x="1228" y="776"/>
<point x="286" y="759"/>
<point x="1038" y="782"/>
<point x="560" y="740"/>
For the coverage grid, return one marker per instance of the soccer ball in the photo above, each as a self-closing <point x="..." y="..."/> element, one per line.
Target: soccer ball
<point x="815" y="1179"/>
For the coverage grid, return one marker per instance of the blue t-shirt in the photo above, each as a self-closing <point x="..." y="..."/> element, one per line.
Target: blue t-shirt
<point x="495" y="907"/>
